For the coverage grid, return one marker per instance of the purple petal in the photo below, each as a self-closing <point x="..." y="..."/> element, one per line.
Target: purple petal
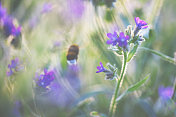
<point x="9" y="66"/>
<point x="137" y="20"/>
<point x="165" y="93"/>
<point x="115" y="34"/>
<point x="98" y="67"/>
<point x="109" y="35"/>
<point x="122" y="35"/>
<point x="144" y="27"/>
<point x="120" y="44"/>
<point x="45" y="71"/>
<point x="101" y="65"/>
<point x="9" y="73"/>
<point x="143" y="23"/>
<point x="114" y="43"/>
<point x="127" y="37"/>
<point x="16" y="31"/>
<point x="109" y="42"/>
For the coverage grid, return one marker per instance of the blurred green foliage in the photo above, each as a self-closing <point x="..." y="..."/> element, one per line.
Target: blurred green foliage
<point x="89" y="32"/>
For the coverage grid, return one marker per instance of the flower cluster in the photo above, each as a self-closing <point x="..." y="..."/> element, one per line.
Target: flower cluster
<point x="123" y="42"/>
<point x="61" y="92"/>
<point x="6" y="22"/>
<point x="44" y="80"/>
<point x="110" y="73"/>
<point x="15" y="66"/>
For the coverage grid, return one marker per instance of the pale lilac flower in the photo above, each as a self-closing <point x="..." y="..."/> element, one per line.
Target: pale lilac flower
<point x="47" y="7"/>
<point x="76" y="8"/>
<point x="2" y="12"/>
<point x="165" y="93"/>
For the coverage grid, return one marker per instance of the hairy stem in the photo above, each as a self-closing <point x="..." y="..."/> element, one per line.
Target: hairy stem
<point x="113" y="104"/>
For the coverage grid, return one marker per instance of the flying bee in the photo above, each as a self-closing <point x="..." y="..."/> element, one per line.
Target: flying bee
<point x="72" y="54"/>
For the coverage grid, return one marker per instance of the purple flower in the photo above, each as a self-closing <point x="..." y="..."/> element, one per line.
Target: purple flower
<point x="100" y="68"/>
<point x="2" y="12"/>
<point x="47" y="7"/>
<point x="13" y="66"/>
<point x="10" y="72"/>
<point x="16" y="108"/>
<point x="8" y="26"/>
<point x="45" y="79"/>
<point x="113" y="38"/>
<point x="63" y="91"/>
<point x="76" y="8"/>
<point x="165" y="93"/>
<point x="123" y="40"/>
<point x="140" y="23"/>
<point x="16" y="31"/>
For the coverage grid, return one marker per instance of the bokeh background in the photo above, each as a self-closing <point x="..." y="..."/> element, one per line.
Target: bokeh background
<point x="49" y="27"/>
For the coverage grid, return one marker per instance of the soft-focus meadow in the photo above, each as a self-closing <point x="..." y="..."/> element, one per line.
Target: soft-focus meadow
<point x="47" y="28"/>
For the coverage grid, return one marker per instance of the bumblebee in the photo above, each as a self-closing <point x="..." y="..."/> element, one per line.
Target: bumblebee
<point x="72" y="54"/>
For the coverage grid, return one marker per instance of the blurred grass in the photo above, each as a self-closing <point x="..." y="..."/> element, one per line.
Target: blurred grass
<point x="89" y="32"/>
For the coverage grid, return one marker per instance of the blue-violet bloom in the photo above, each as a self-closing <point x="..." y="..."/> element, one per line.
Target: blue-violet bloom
<point x="113" y="39"/>
<point x="165" y="93"/>
<point x="13" y="66"/>
<point x="100" y="68"/>
<point x="44" y="80"/>
<point x="16" y="31"/>
<point x="8" y="26"/>
<point x="123" y="40"/>
<point x="140" y="23"/>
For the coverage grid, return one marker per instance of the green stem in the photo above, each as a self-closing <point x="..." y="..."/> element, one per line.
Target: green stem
<point x="163" y="56"/>
<point x="174" y="90"/>
<point x="113" y="104"/>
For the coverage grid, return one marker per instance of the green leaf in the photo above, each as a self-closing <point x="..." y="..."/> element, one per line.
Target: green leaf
<point x="163" y="56"/>
<point x="131" y="53"/>
<point x="133" y="87"/>
<point x="138" y="84"/>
